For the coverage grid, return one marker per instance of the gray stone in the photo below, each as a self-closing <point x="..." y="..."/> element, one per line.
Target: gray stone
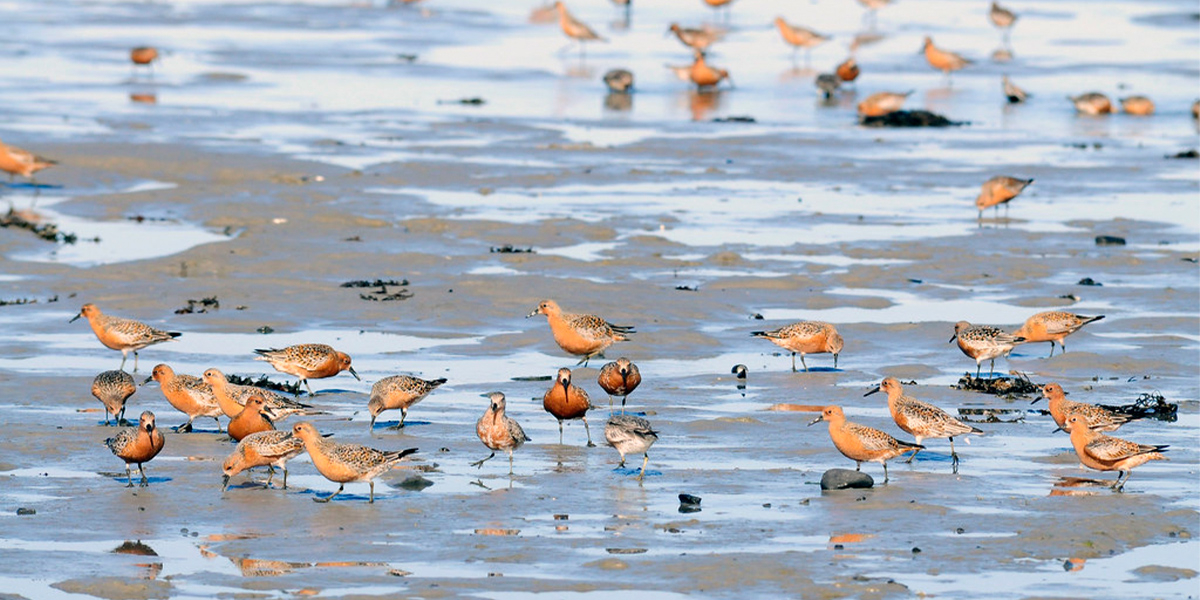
<point x="841" y="479"/>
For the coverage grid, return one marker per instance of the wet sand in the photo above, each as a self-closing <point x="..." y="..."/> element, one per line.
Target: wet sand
<point x="802" y="215"/>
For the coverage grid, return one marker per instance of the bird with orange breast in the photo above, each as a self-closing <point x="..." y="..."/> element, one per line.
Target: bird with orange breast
<point x="1138" y="105"/>
<point x="706" y="77"/>
<point x="566" y="402"/>
<point x="137" y="445"/>
<point x="882" y="103"/>
<point x="15" y="161"/>
<point x="1000" y="190"/>
<point x="800" y="37"/>
<point x="1001" y="17"/>
<point x="143" y="56"/>
<point x="848" y="71"/>
<point x="574" y="28"/>
<point x="1106" y="453"/>
<point x="1053" y="326"/>
<point x="943" y="60"/>
<point x="581" y="335"/>
<point x="860" y="443"/>
<point x="1091" y="103"/>
<point x="696" y="39"/>
<point x="619" y="378"/>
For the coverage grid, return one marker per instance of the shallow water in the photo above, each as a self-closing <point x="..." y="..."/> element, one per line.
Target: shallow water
<point x="290" y="147"/>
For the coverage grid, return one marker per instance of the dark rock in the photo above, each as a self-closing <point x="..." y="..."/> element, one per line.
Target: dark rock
<point x="960" y="531"/>
<point x="1185" y="154"/>
<point x="910" y="118"/>
<point x="26" y="511"/>
<point x="1109" y="240"/>
<point x="689" y="499"/>
<point x="735" y="119"/>
<point x="841" y="479"/>
<point x="1089" y="281"/>
<point x="265" y="329"/>
<point x="916" y="550"/>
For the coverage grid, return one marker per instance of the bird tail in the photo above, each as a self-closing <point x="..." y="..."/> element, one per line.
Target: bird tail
<point x="399" y="454"/>
<point x="437" y="382"/>
<point x="1087" y="320"/>
<point x="175" y="334"/>
<point x="904" y="444"/>
<point x="623" y="329"/>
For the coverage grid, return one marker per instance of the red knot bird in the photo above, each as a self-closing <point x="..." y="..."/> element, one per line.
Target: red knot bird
<point x="1001" y="17"/>
<point x="188" y="394"/>
<point x="137" y="445"/>
<point x="882" y="103"/>
<point x="346" y="463"/>
<point x="1105" y="453"/>
<point x="263" y="449"/>
<point x="706" y="77"/>
<point x="567" y="401"/>
<point x="921" y="419"/>
<point x="125" y="335"/>
<point x="399" y="391"/>
<point x="1052" y="326"/>
<point x="498" y="431"/>
<point x="307" y="361"/>
<point x="250" y="420"/>
<point x="15" y="161"/>
<point x="860" y="443"/>
<point x="619" y="378"/>
<point x="574" y="28"/>
<point x="1138" y="105"/>
<point x="232" y="398"/>
<point x="112" y="389"/>
<point x="943" y="60"/>
<point x="1014" y="94"/>
<point x="848" y="71"/>
<point x="805" y="337"/>
<point x="619" y="81"/>
<point x="698" y="39"/>
<point x="798" y="37"/>
<point x="1000" y="190"/>
<point x="581" y="335"/>
<point x="1091" y="103"/>
<point x="1097" y="418"/>
<point x="982" y="342"/>
<point x="631" y="435"/>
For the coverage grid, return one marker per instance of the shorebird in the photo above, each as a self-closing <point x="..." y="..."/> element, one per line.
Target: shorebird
<point x="921" y="419"/>
<point x="800" y="37"/>
<point x="999" y="190"/>
<point x="144" y="56"/>
<point x="943" y="60"/>
<point x="232" y="398"/>
<point x="15" y="161"/>
<point x="860" y="443"/>
<point x="630" y="435"/>
<point x="1104" y="453"/>
<point x="705" y="76"/>
<point x="848" y="71"/>
<point x="982" y="342"/>
<point x="1052" y="326"/>
<point x="566" y="402"/>
<point x="399" y="391"/>
<point x="1001" y="17"/>
<point x="619" y="81"/>
<point x="250" y="420"/>
<point x="1092" y="103"/>
<point x="307" y="361"/>
<point x="574" y="28"/>
<point x="1014" y="94"/>
<point x="112" y="389"/>
<point x="805" y="337"/>
<point x="698" y="39"/>
<point x="828" y="83"/>
<point x="137" y="445"/>
<point x="1138" y="105"/>
<point x="1095" y="417"/>
<point x="498" y="431"/>
<point x="125" y="335"/>
<point x="581" y="335"/>
<point x="346" y="463"/>
<point x="882" y="103"/>
<point x="263" y="449"/>
<point x="188" y="394"/>
<point x="619" y="378"/>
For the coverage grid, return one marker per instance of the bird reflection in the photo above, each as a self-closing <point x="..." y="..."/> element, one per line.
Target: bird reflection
<point x="702" y="104"/>
<point x="618" y="102"/>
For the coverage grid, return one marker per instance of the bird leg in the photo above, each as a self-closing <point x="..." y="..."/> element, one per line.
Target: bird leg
<point x="479" y="463"/>
<point x="330" y="497"/>
<point x="803" y="363"/>
<point x="992" y="369"/>
<point x="372" y="498"/>
<point x="307" y="387"/>
<point x="793" y="362"/>
<point x="186" y="427"/>
<point x="953" y="457"/>
<point x="1052" y="349"/>
<point x="912" y="456"/>
<point x="510" y="463"/>
<point x="135" y="360"/>
<point x="144" y="482"/>
<point x="978" y="364"/>
<point x="218" y="424"/>
<point x="270" y="474"/>
<point x="403" y="416"/>
<point x="560" y="433"/>
<point x="128" y="475"/>
<point x="285" y="477"/>
<point x="645" y="461"/>
<point x="124" y="357"/>
<point x="623" y="399"/>
<point x="589" y="433"/>
<point x="885" y="475"/>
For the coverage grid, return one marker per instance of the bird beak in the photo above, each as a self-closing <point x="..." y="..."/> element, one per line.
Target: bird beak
<point x="1035" y="400"/>
<point x="372" y="426"/>
<point x="873" y="390"/>
<point x="1057" y="429"/>
<point x="534" y="313"/>
<point x="75" y="318"/>
<point x="149" y="427"/>
<point x="352" y="372"/>
<point x="816" y="420"/>
<point x="953" y="337"/>
<point x="224" y="483"/>
<point x="148" y="380"/>
<point x="488" y="395"/>
<point x="835" y="361"/>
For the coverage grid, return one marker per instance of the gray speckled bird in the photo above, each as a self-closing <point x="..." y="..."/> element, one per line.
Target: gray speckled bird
<point x="112" y="389"/>
<point x="630" y="435"/>
<point x="982" y="342"/>
<point x="399" y="391"/>
<point x="921" y="419"/>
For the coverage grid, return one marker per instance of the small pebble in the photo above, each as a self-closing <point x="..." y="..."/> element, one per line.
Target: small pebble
<point x="26" y="511"/>
<point x="689" y="499"/>
<point x="916" y="550"/>
<point x="960" y="531"/>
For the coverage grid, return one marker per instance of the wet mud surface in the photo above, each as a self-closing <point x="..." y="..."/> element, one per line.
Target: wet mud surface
<point x="451" y="221"/>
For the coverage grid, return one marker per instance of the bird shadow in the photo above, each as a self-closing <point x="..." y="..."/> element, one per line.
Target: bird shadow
<point x="16" y="185"/>
<point x="120" y="477"/>
<point x="633" y="471"/>
<point x="395" y="425"/>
